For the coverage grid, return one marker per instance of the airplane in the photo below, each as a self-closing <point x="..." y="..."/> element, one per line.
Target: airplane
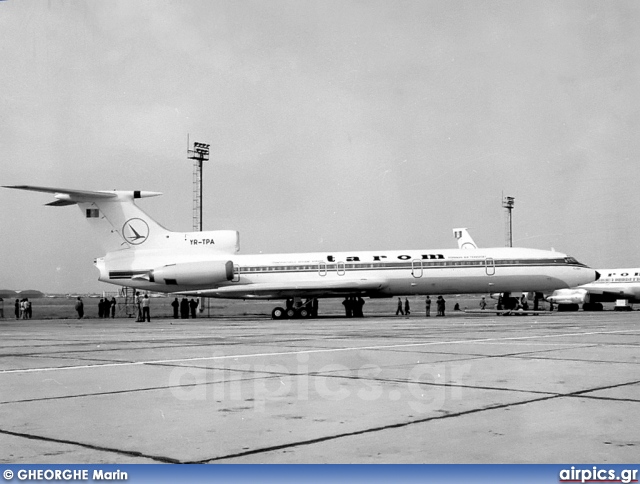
<point x="614" y="285"/>
<point x="149" y="257"/>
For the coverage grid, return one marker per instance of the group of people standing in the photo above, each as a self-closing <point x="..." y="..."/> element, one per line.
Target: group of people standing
<point x="23" y="308"/>
<point x="107" y="307"/>
<point x="184" y="307"/>
<point x="405" y="309"/>
<point x="353" y="307"/>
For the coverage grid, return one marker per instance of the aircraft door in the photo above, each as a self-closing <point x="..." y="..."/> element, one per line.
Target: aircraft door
<point x="416" y="268"/>
<point x="236" y="273"/>
<point x="490" y="266"/>
<point x="322" y="268"/>
<point x="340" y="268"/>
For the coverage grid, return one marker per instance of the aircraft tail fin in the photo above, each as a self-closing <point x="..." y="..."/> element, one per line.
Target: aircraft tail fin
<point x="464" y="239"/>
<point x="124" y="225"/>
<point x="114" y="213"/>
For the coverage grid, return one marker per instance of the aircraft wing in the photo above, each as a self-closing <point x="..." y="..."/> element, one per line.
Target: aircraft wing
<point x="294" y="289"/>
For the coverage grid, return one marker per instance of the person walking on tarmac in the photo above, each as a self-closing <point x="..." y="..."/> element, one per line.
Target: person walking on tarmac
<point x="80" y="308"/>
<point x="399" y="310"/>
<point x="406" y="306"/>
<point x="427" y="306"/>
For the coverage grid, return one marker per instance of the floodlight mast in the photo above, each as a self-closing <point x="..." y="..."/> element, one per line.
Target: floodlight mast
<point x="508" y="203"/>
<point x="198" y="154"/>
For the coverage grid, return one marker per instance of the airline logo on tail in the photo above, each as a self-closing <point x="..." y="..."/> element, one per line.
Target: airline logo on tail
<point x="464" y="239"/>
<point x="135" y="231"/>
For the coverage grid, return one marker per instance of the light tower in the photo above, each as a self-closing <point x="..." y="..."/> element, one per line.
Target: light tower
<point x="508" y="202"/>
<point x="198" y="154"/>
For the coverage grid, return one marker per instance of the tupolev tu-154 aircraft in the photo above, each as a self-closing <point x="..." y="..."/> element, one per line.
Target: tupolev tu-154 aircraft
<point x="150" y="257"/>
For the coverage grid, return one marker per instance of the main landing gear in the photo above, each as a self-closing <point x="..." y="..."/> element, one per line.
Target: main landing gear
<point x="515" y="305"/>
<point x="296" y="308"/>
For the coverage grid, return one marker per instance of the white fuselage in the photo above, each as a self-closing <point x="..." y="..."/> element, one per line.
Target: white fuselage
<point x="371" y="273"/>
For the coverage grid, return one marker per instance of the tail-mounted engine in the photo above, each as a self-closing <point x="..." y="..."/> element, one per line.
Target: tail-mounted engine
<point x="193" y="273"/>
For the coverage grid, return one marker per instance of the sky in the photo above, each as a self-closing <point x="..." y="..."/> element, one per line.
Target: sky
<point x="334" y="125"/>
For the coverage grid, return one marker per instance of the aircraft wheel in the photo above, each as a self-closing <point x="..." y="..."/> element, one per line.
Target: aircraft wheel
<point x="304" y="313"/>
<point x="290" y="313"/>
<point x="278" y="313"/>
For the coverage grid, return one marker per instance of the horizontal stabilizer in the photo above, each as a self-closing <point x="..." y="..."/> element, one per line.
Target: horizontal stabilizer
<point x="77" y="193"/>
<point x="66" y="196"/>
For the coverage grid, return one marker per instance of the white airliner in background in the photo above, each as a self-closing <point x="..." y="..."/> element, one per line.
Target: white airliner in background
<point x="150" y="257"/>
<point x="613" y="285"/>
<point x="464" y="239"/>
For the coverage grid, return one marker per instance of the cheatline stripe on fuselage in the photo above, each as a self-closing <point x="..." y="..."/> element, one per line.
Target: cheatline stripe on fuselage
<point x="374" y="266"/>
